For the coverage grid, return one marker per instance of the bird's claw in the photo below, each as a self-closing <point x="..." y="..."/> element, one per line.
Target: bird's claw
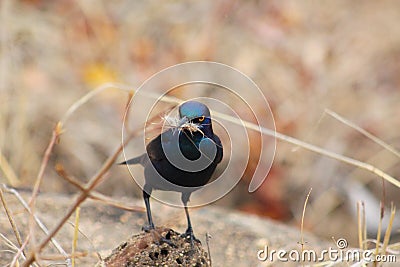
<point x="147" y="228"/>
<point x="166" y="241"/>
<point x="189" y="235"/>
<point x="157" y="237"/>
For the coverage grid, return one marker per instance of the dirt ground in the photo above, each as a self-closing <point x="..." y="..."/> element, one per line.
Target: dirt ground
<point x="235" y="238"/>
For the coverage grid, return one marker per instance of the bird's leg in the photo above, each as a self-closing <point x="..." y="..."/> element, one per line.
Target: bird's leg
<point x="146" y="197"/>
<point x="150" y="227"/>
<point x="189" y="230"/>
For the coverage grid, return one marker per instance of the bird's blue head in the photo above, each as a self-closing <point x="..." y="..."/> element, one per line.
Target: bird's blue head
<point x="197" y="113"/>
<point x="193" y="109"/>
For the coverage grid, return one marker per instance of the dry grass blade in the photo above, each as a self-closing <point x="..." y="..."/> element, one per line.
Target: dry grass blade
<point x="382" y="214"/>
<point x="8" y="171"/>
<point x="9" y="243"/>
<point x="88" y="239"/>
<point x="302" y="220"/>
<point x="130" y="96"/>
<point x="14" y="248"/>
<point x="208" y="237"/>
<point x="86" y="190"/>
<point x="365" y="243"/>
<point x="378" y="234"/>
<point x="91" y="94"/>
<point x="291" y="140"/>
<point x="93" y="182"/>
<point x="76" y="231"/>
<point x="316" y="149"/>
<point x="14" y="262"/>
<point x="51" y="257"/>
<point x="389" y="229"/>
<point x="248" y="125"/>
<point x="55" y="134"/>
<point x="96" y="195"/>
<point x="364" y="132"/>
<point x="109" y="201"/>
<point x="11" y="220"/>
<point x="37" y="220"/>
<point x="359" y="227"/>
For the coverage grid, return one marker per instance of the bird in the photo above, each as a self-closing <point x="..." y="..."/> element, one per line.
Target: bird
<point x="181" y="159"/>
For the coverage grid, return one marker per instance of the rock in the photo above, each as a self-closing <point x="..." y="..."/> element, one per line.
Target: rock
<point x="149" y="249"/>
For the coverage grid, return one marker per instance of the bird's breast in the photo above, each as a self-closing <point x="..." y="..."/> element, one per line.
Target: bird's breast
<point x="189" y="146"/>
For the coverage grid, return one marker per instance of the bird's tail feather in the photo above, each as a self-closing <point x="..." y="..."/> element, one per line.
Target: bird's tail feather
<point x="136" y="160"/>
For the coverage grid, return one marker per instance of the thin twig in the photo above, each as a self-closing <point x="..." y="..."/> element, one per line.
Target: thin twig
<point x="19" y="252"/>
<point x="85" y="193"/>
<point x="38" y="221"/>
<point x="11" y="220"/>
<point x="208" y="237"/>
<point x="109" y="201"/>
<point x="9" y="243"/>
<point x="93" y="182"/>
<point x="54" y="137"/>
<point x="96" y="195"/>
<point x="32" y="202"/>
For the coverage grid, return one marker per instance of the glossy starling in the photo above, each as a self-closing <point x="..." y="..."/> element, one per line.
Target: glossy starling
<point x="181" y="159"/>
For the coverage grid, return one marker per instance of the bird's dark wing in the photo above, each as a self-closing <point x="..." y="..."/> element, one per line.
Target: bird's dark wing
<point x="220" y="151"/>
<point x="155" y="149"/>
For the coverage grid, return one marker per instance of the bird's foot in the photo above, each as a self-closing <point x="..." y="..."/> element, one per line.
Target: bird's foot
<point x="189" y="235"/>
<point x="148" y="227"/>
<point x="157" y="237"/>
<point x="167" y="239"/>
<point x="163" y="240"/>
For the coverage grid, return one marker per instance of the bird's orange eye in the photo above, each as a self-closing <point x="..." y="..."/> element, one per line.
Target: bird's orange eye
<point x="201" y="118"/>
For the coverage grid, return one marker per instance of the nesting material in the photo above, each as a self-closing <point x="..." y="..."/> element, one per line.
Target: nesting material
<point x="175" y="123"/>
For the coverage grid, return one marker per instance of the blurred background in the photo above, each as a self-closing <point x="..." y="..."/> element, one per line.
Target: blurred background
<point x="305" y="56"/>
